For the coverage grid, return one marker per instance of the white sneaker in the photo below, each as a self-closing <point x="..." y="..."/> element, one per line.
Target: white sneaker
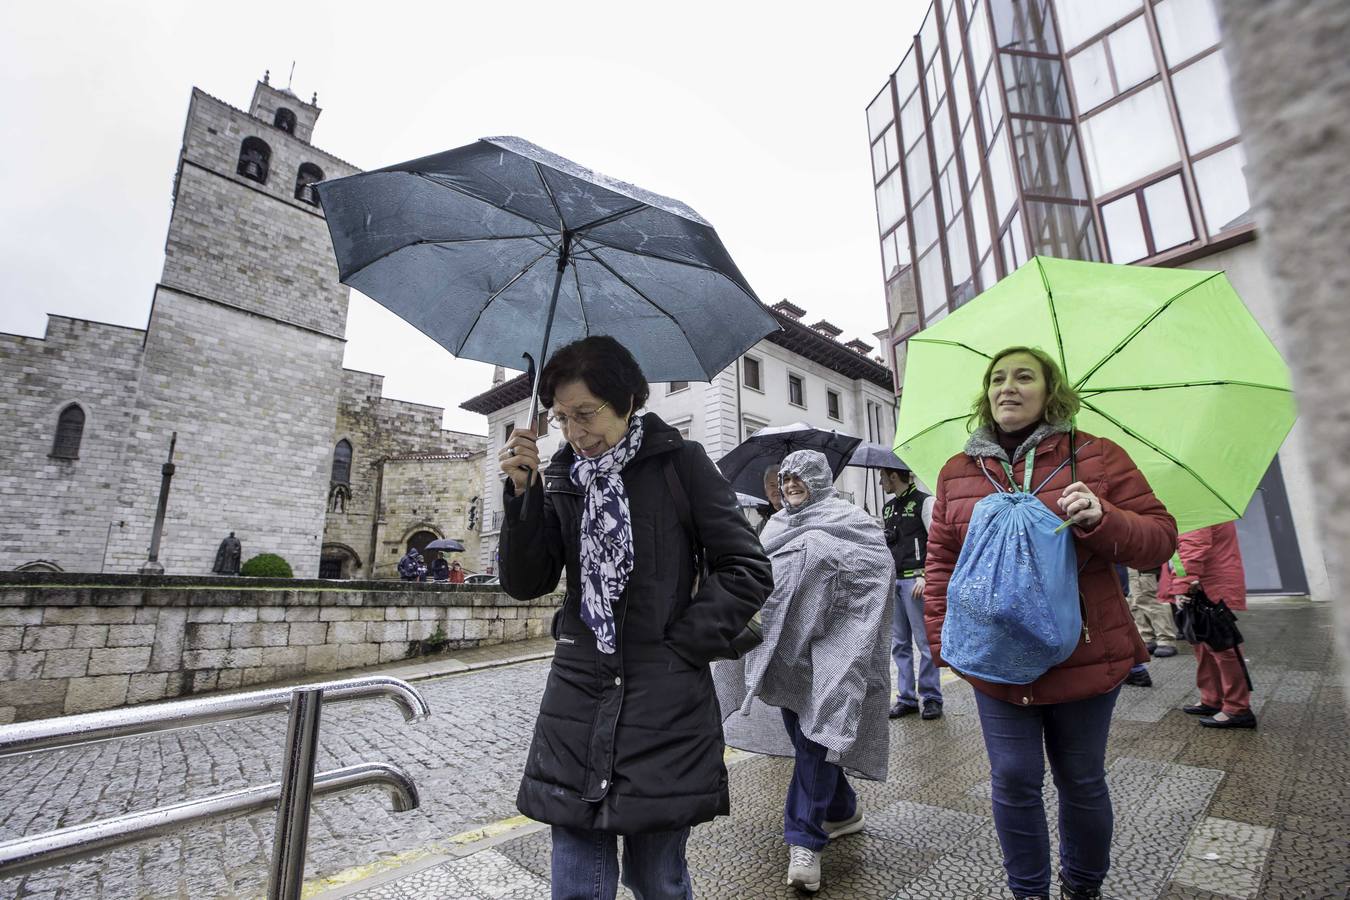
<point x="850" y="825"/>
<point x="803" y="869"/>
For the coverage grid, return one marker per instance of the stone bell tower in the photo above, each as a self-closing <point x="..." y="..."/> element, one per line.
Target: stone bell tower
<point x="243" y="351"/>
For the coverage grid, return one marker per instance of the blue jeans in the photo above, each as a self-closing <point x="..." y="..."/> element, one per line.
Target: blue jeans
<point x="1073" y="735"/>
<point x="907" y="632"/>
<point x="586" y="865"/>
<point x="818" y="792"/>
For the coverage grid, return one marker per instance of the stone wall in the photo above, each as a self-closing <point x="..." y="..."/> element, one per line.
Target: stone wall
<point x="72" y="647"/>
<point x="58" y="510"/>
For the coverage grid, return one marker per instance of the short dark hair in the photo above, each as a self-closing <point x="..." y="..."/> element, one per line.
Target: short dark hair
<point x="606" y="368"/>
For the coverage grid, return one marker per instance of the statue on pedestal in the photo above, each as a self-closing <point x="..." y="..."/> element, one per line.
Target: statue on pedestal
<point x="228" y="556"/>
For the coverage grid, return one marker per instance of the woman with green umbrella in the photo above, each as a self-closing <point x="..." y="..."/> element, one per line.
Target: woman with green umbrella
<point x="1023" y="422"/>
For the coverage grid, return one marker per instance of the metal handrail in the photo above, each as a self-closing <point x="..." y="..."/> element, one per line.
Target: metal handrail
<point x="292" y="795"/>
<point x="88" y="728"/>
<point x="66" y="845"/>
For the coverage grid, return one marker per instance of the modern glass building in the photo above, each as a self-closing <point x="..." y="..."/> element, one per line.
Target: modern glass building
<point x="1083" y="129"/>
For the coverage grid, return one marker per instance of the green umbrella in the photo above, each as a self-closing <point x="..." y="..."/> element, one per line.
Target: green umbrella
<point x="1169" y="364"/>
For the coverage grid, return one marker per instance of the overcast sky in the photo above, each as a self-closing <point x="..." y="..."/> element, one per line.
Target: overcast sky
<point x="752" y="113"/>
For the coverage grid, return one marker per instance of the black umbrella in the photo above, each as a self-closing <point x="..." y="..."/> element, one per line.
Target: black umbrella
<point x="499" y="250"/>
<point x="450" y="545"/>
<point x="877" y="456"/>
<point x="744" y="466"/>
<point x="1200" y="620"/>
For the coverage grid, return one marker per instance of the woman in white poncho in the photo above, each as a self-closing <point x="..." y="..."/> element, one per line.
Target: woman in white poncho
<point x="824" y="663"/>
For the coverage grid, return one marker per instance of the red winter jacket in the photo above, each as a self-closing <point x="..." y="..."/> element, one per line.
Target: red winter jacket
<point x="1135" y="529"/>
<point x="1213" y="558"/>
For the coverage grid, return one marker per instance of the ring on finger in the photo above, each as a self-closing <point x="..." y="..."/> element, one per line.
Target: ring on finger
<point x="510" y="451"/>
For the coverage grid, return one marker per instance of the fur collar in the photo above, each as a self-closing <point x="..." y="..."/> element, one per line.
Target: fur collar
<point x="983" y="443"/>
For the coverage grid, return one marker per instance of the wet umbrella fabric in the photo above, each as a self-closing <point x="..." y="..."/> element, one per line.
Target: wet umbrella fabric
<point x="877" y="456"/>
<point x="450" y="545"/>
<point x="1168" y="362"/>
<point x="501" y="248"/>
<point x="744" y="466"/>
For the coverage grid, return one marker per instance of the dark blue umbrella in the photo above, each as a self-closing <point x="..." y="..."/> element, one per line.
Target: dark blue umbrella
<point x="500" y="250"/>
<point x="877" y="456"/>
<point x="450" y="545"/>
<point x="744" y="466"/>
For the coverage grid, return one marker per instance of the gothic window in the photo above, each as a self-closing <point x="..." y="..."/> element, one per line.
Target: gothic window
<point x="254" y="154"/>
<point x="342" y="462"/>
<point x="69" y="431"/>
<point x="285" y="120"/>
<point x="304" y="183"/>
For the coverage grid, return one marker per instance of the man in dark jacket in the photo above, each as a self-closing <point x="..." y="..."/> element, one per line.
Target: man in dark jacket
<point x="906" y="517"/>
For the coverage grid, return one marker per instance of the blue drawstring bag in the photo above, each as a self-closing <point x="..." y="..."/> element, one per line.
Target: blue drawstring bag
<point x="1012" y="601"/>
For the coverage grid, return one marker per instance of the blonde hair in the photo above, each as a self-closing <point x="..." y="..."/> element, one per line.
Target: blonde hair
<point x="1061" y="400"/>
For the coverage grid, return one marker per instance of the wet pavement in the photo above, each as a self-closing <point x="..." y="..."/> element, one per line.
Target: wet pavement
<point x="1200" y="813"/>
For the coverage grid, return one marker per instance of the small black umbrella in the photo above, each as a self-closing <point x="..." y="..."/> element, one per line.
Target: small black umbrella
<point x="501" y="251"/>
<point x="877" y="456"/>
<point x="744" y="466"/>
<point x="1200" y="620"/>
<point x="450" y="545"/>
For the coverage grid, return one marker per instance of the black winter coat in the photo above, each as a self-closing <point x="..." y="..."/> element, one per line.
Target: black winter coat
<point x="631" y="742"/>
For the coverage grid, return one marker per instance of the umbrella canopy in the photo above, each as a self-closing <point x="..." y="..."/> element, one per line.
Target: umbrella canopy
<point x="747" y="502"/>
<point x="744" y="466"/>
<point x="876" y="456"/>
<point x="500" y="248"/>
<point x="450" y="545"/>
<point x="1168" y="362"/>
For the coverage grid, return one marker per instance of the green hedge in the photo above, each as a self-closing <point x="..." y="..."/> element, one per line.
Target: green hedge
<point x="267" y="565"/>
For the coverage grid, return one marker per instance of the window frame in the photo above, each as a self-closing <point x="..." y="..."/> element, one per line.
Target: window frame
<point x="256" y="144"/>
<point x="838" y="398"/>
<point x="672" y="389"/>
<point x="758" y="388"/>
<point x="63" y="447"/>
<point x="801" y="382"/>
<point x="332" y="476"/>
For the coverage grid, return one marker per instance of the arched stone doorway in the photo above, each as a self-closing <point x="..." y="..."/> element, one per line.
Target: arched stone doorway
<point x="339" y="561"/>
<point x="419" y="539"/>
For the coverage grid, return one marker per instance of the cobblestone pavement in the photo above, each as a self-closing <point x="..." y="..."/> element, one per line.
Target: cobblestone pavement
<point x="466" y="761"/>
<point x="1199" y="813"/>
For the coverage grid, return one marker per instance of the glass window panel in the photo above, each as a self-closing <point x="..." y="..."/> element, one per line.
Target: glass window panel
<point x="1222" y="187"/>
<point x="932" y="283"/>
<point x="890" y="202"/>
<point x="1168" y="216"/>
<point x="902" y="257"/>
<point x="970" y="154"/>
<point x="979" y="217"/>
<point x="879" y="166"/>
<point x="911" y="120"/>
<point x="952" y="200"/>
<point x="1091" y="77"/>
<point x="953" y="38"/>
<point x="1205" y="103"/>
<point x="1130" y="140"/>
<point x="1019" y="241"/>
<point x="928" y="36"/>
<point x="1124" y="229"/>
<point x="1186" y="27"/>
<point x="1035" y="86"/>
<point x="1048" y="159"/>
<point x="1058" y="229"/>
<point x="1001" y="171"/>
<point x="942" y="134"/>
<point x="890" y="263"/>
<point x="981" y="50"/>
<point x="917" y="170"/>
<point x="991" y="110"/>
<point x="958" y="255"/>
<point x="907" y="76"/>
<point x="1132" y="54"/>
<point x="925" y="223"/>
<point x="961" y="95"/>
<point x="1079" y="21"/>
<point x="1024" y="25"/>
<point x="938" y="315"/>
<point x="988" y="273"/>
<point x="880" y="113"/>
<point x="937" y="85"/>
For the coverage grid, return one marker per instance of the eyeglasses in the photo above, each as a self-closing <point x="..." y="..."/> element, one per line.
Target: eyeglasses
<point x="583" y="418"/>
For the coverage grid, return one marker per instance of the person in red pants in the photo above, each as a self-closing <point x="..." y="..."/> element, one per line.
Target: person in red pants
<point x="1213" y="561"/>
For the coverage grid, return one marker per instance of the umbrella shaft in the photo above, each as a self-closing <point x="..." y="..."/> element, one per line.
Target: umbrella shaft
<point x="564" y="255"/>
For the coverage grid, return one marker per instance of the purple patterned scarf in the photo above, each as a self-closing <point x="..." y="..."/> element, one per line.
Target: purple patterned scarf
<point x="606" y="534"/>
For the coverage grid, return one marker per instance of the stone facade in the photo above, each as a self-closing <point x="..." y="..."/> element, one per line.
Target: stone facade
<point x="419" y="475"/>
<point x="67" y="649"/>
<point x="242" y="358"/>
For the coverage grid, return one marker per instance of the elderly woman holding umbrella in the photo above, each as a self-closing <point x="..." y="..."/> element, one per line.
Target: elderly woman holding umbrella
<point x="628" y="740"/>
<point x="1023" y="420"/>
<point x="817" y="688"/>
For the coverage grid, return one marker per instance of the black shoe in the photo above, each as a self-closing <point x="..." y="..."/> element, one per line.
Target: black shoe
<point x="1242" y="720"/>
<point x="1139" y="679"/>
<point x="932" y="709"/>
<point x="901" y="708"/>
<point x="1069" y="893"/>
<point x="1152" y="647"/>
<point x="1165" y="651"/>
<point x="1200" y="709"/>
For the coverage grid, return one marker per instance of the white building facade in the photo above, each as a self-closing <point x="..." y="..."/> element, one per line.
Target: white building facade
<point x="799" y="374"/>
